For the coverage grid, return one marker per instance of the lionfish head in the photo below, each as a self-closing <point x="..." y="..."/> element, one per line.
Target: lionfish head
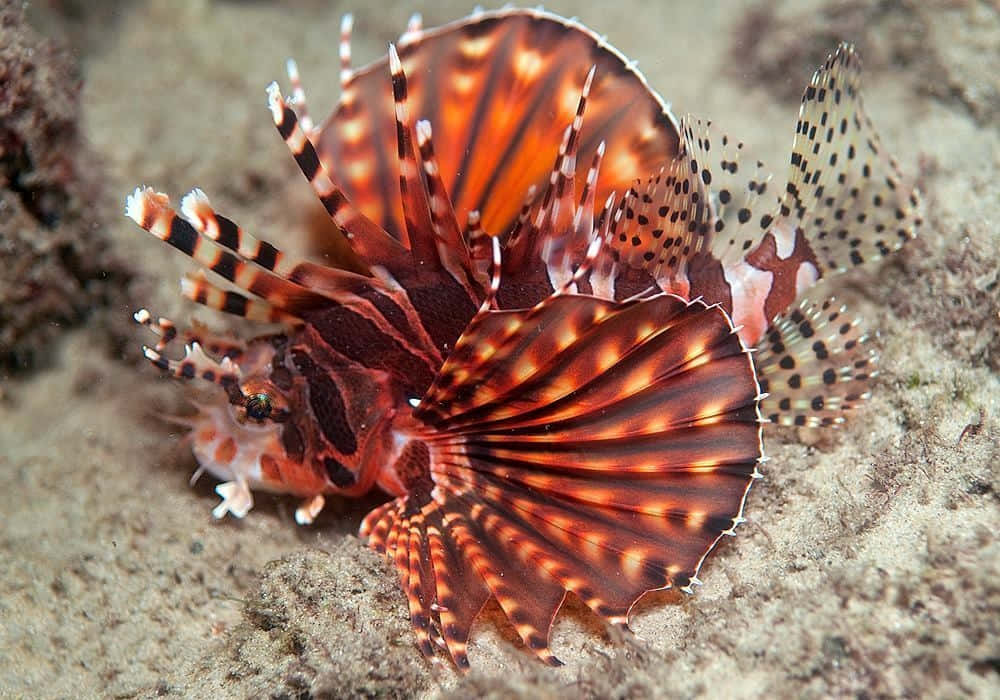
<point x="253" y="430"/>
<point x="244" y="433"/>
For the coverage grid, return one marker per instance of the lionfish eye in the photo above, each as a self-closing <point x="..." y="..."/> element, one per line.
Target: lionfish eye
<point x="258" y="407"/>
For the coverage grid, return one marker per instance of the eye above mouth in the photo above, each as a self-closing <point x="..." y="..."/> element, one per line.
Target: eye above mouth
<point x="259" y="407"/>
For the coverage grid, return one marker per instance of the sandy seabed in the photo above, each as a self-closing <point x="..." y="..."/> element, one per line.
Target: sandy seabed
<point x="869" y="566"/>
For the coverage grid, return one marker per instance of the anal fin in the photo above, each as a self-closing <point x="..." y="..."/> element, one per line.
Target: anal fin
<point x="815" y="365"/>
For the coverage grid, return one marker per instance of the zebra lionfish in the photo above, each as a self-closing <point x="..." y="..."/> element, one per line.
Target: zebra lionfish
<point x="561" y="322"/>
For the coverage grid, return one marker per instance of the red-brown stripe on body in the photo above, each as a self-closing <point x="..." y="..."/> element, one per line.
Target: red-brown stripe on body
<point x="707" y="280"/>
<point x="328" y="404"/>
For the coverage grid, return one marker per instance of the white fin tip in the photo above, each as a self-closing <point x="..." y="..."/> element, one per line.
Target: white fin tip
<point x="395" y="65"/>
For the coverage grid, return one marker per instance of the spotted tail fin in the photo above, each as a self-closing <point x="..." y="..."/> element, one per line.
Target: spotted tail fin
<point x="581" y="445"/>
<point x="845" y="202"/>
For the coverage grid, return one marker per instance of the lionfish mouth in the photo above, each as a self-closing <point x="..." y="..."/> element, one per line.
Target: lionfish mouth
<point x="235" y="452"/>
<point x="538" y="361"/>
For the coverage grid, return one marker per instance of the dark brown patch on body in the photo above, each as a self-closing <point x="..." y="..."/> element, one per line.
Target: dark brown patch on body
<point x="708" y="281"/>
<point x="327" y="405"/>
<point x="358" y="339"/>
<point x="291" y="440"/>
<point x="765" y="257"/>
<point x="339" y="475"/>
<point x="413" y="467"/>
<point x="445" y="310"/>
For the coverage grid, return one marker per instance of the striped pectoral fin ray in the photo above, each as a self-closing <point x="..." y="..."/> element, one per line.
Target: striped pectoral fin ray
<point x="509" y="573"/>
<point x="431" y="228"/>
<point x="413" y="552"/>
<point x="151" y="210"/>
<point x="199" y="290"/>
<point x="459" y="592"/>
<point x="414" y="198"/>
<point x="561" y="240"/>
<point x="526" y="368"/>
<point x="372" y="244"/>
<point x="342" y="285"/>
<point x="639" y="466"/>
<point x="815" y="365"/>
<point x="290" y="289"/>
